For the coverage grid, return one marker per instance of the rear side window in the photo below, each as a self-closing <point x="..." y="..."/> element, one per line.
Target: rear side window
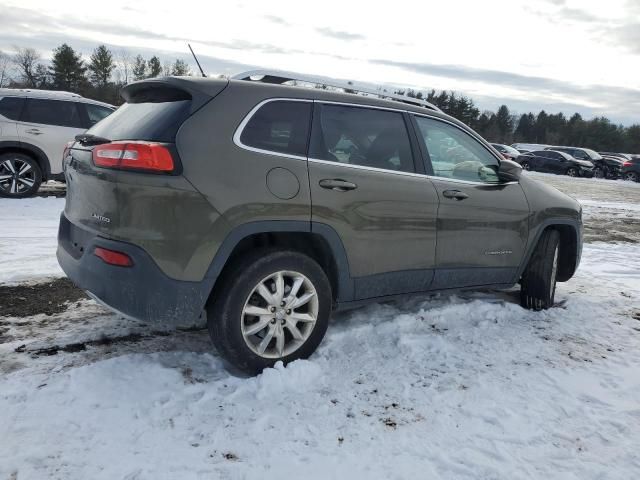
<point x="11" y="107"/>
<point x="362" y="136"/>
<point x="151" y="120"/>
<point x="97" y="113"/>
<point x="53" y="112"/>
<point x="281" y="126"/>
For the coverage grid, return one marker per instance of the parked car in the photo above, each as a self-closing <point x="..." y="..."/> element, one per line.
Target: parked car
<point x="603" y="167"/>
<point x="506" y="151"/>
<point x="222" y="198"/>
<point x="631" y="169"/>
<point x="551" y="161"/>
<point x="35" y="126"/>
<point x="528" y="147"/>
<point x="622" y="156"/>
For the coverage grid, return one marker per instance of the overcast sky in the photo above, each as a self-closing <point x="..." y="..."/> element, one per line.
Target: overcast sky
<point x="560" y="55"/>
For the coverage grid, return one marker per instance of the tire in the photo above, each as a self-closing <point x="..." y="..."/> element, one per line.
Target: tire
<point x="598" y="172"/>
<point x="20" y="175"/>
<point x="230" y="326"/>
<point x="538" y="283"/>
<point x="631" y="177"/>
<point x="525" y="166"/>
<point x="572" y="172"/>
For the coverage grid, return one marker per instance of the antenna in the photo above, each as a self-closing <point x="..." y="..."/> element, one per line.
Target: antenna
<point x="196" y="59"/>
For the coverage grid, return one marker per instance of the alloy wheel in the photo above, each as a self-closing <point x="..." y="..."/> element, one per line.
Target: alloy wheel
<point x="631" y="176"/>
<point x="572" y="172"/>
<point x="554" y="273"/>
<point x="279" y="314"/>
<point x="526" y="166"/>
<point x="16" y="176"/>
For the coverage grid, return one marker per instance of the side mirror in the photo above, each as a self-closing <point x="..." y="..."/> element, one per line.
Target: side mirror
<point x="509" y="171"/>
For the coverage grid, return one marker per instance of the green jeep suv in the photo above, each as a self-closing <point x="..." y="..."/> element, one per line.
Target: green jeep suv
<point x="265" y="207"/>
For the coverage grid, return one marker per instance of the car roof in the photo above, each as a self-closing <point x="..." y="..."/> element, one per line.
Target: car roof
<point x="49" y="95"/>
<point x="211" y="86"/>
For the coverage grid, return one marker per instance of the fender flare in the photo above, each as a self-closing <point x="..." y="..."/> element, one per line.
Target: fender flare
<point x="40" y="156"/>
<point x="549" y="222"/>
<point x="345" y="287"/>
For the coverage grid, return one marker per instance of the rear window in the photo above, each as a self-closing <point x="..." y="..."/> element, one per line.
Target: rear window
<point x="53" y="112"/>
<point x="152" y="121"/>
<point x="280" y="126"/>
<point x="11" y="107"/>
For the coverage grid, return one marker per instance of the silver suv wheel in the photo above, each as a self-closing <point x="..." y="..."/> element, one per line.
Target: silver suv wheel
<point x="279" y="314"/>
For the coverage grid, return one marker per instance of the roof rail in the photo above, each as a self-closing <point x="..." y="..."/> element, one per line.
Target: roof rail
<point x="280" y="77"/>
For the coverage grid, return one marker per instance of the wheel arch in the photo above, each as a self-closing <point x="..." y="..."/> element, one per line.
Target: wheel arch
<point x="318" y="241"/>
<point x="570" y="252"/>
<point x="27" y="149"/>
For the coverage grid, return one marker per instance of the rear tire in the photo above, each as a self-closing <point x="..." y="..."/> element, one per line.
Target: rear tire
<point x="538" y="283"/>
<point x="631" y="177"/>
<point x="20" y="175"/>
<point x="242" y="320"/>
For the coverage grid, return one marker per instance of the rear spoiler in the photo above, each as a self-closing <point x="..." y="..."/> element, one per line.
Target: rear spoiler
<point x="173" y="89"/>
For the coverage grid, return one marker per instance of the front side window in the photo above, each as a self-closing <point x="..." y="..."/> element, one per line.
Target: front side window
<point x="456" y="154"/>
<point x="362" y="136"/>
<point x="11" y="107"/>
<point x="96" y="113"/>
<point x="281" y="126"/>
<point x="52" y="112"/>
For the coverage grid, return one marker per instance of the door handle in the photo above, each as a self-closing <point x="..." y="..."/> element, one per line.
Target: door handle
<point x="457" y="194"/>
<point x="33" y="131"/>
<point x="337" y="184"/>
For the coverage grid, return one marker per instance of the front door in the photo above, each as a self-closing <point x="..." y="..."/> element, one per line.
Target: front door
<point x="482" y="222"/>
<point x="364" y="186"/>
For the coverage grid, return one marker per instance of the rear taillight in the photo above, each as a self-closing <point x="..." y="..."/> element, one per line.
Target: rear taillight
<point x="626" y="164"/>
<point x="133" y="156"/>
<point x="113" y="257"/>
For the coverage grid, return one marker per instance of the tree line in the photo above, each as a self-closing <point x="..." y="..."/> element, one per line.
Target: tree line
<point x="100" y="77"/>
<point x="502" y="126"/>
<point x="105" y="72"/>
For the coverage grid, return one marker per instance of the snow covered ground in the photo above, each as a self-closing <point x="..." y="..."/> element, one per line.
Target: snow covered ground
<point x="464" y="386"/>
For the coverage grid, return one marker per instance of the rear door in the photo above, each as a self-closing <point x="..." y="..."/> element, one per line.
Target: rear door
<point x="365" y="186"/>
<point x="482" y="222"/>
<point x="49" y="125"/>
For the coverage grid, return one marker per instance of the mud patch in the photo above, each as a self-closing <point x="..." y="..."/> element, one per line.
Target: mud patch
<point x="48" y="298"/>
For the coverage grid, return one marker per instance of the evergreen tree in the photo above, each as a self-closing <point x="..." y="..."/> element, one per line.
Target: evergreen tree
<point x="139" y="68"/>
<point x="101" y="66"/>
<point x="67" y="69"/>
<point x="180" y="68"/>
<point x="155" y="67"/>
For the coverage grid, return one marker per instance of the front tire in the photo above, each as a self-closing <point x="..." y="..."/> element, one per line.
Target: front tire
<point x="526" y="166"/>
<point x="20" y="175"/>
<point x="272" y="306"/>
<point x="598" y="172"/>
<point x="572" y="172"/>
<point x="538" y="283"/>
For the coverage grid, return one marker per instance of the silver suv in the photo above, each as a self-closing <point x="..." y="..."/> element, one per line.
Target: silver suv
<point x="35" y="126"/>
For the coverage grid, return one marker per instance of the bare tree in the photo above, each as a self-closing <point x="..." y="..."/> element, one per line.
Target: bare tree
<point x="26" y="61"/>
<point x="5" y="69"/>
<point x="124" y="65"/>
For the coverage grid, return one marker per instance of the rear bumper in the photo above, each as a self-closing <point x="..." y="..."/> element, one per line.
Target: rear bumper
<point x="141" y="291"/>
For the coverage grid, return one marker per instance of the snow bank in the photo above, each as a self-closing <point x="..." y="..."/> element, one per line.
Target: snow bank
<point x="28" y="238"/>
